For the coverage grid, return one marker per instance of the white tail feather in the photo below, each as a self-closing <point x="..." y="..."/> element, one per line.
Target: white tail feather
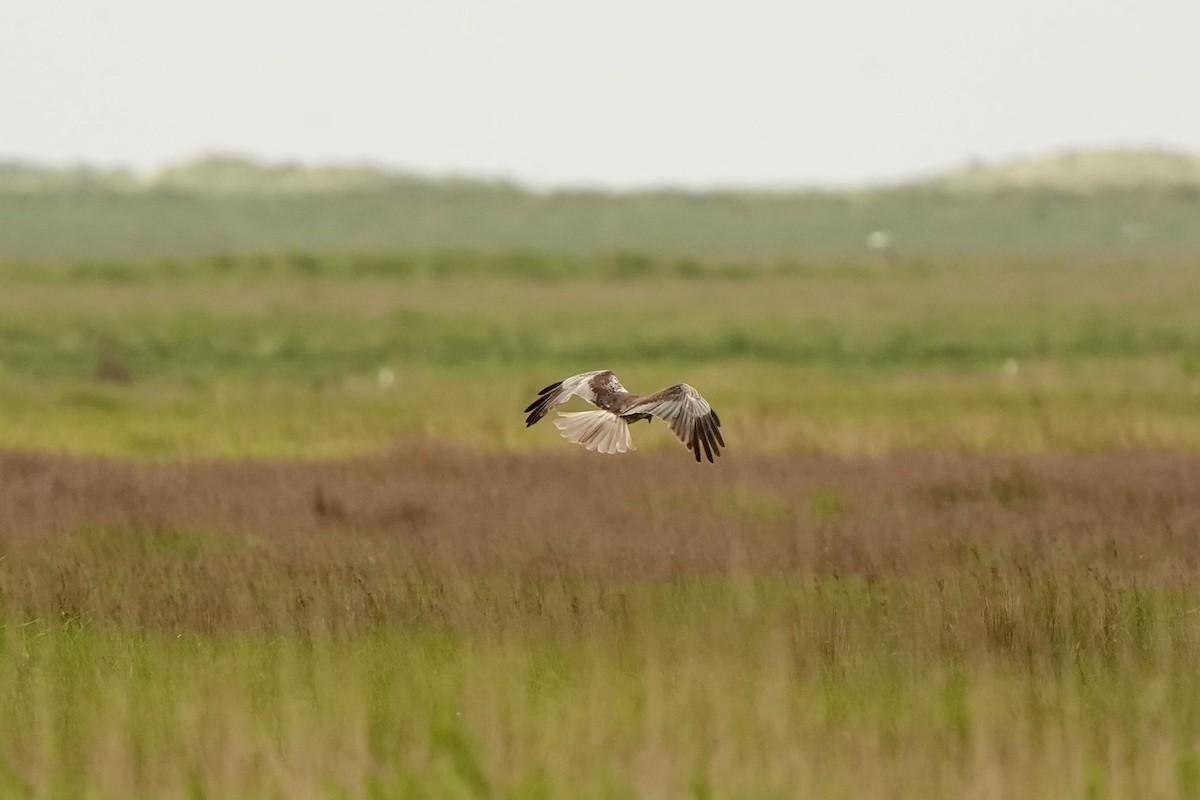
<point x="596" y="430"/>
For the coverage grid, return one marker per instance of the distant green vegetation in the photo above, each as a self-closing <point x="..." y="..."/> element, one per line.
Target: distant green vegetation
<point x="1085" y="171"/>
<point x="231" y="206"/>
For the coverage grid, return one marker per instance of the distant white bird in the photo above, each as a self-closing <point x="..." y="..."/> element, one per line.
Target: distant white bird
<point x="689" y="415"/>
<point x="880" y="241"/>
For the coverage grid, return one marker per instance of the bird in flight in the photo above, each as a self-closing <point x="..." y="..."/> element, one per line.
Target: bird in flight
<point x="689" y="415"/>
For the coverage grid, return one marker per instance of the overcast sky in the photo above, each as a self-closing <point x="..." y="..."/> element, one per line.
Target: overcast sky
<point x="619" y="93"/>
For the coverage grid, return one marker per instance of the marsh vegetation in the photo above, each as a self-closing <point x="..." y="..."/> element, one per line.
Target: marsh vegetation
<point x="271" y="526"/>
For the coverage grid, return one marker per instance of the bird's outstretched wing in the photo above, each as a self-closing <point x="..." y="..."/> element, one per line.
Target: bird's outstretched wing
<point x="689" y="416"/>
<point x="558" y="393"/>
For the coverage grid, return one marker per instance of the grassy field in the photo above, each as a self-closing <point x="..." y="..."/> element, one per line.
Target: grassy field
<point x="272" y="526"/>
<point x="283" y="355"/>
<point x="436" y="622"/>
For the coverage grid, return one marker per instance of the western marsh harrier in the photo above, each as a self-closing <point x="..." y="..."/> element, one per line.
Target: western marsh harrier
<point x="689" y="415"/>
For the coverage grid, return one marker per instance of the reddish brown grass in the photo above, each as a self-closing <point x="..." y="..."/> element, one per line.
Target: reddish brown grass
<point x="919" y="625"/>
<point x="259" y="545"/>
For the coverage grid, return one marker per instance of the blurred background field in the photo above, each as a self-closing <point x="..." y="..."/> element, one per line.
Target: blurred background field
<point x="272" y="525"/>
<point x="335" y="354"/>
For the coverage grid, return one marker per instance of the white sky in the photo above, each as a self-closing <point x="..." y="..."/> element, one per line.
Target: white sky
<point x="620" y="93"/>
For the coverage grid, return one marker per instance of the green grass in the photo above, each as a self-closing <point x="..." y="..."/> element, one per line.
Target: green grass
<point x="764" y="409"/>
<point x="281" y="355"/>
<point x="820" y="687"/>
<point x="336" y="318"/>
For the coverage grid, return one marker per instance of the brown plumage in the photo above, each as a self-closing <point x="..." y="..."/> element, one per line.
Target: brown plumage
<point x="689" y="415"/>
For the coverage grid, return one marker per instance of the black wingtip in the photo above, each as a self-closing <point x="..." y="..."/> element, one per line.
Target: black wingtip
<point x="714" y="437"/>
<point x="537" y="409"/>
<point x="706" y="435"/>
